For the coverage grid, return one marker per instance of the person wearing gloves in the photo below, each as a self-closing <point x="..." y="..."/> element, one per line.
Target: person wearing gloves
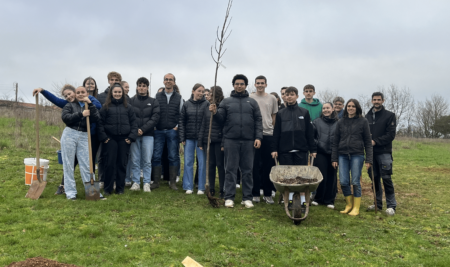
<point x="116" y="130"/>
<point x="74" y="140"/>
<point x="351" y="140"/>
<point x="324" y="128"/>
<point x="216" y="154"/>
<point x="190" y="121"/>
<point x="146" y="109"/>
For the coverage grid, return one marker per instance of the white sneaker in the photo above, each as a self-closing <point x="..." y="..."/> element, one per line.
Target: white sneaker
<point x="314" y="203"/>
<point x="147" y="187"/>
<point x="371" y="208"/>
<point x="248" y="204"/>
<point x="330" y="206"/>
<point x="135" y="187"/>
<point x="151" y="182"/>
<point x="268" y="200"/>
<point x="128" y="183"/>
<point x="256" y="199"/>
<point x="390" y="212"/>
<point x="101" y="185"/>
<point x="261" y="192"/>
<point x="178" y="179"/>
<point x="273" y="193"/>
<point x="238" y="186"/>
<point x="189" y="192"/>
<point x="200" y="192"/>
<point x="229" y="203"/>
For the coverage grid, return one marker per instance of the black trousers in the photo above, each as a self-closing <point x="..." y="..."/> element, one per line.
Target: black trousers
<point x="216" y="159"/>
<point x="95" y="144"/>
<point x="326" y="192"/>
<point x="293" y="158"/>
<point x="114" y="160"/>
<point x="262" y="164"/>
<point x="382" y="168"/>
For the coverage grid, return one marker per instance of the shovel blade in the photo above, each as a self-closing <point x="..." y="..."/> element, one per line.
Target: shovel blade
<point x="92" y="191"/>
<point x="36" y="189"/>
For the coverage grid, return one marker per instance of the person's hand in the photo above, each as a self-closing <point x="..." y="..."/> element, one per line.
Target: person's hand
<point x="86" y="100"/>
<point x="314" y="155"/>
<point x="184" y="143"/>
<point x="140" y="132"/>
<point x="106" y="140"/>
<point x="213" y="108"/>
<point x="274" y="155"/>
<point x="334" y="164"/>
<point x="176" y="128"/>
<point x="373" y="143"/>
<point x="128" y="141"/>
<point x="201" y="148"/>
<point x="37" y="91"/>
<point x="86" y="113"/>
<point x="257" y="144"/>
<point x="368" y="165"/>
<point x="221" y="148"/>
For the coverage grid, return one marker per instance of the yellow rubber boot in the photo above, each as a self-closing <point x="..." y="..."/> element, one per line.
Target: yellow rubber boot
<point x="349" y="201"/>
<point x="356" y="205"/>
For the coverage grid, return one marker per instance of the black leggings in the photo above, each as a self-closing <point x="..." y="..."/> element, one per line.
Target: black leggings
<point x="95" y="144"/>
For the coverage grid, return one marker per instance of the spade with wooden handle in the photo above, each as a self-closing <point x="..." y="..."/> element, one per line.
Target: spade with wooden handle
<point x="91" y="188"/>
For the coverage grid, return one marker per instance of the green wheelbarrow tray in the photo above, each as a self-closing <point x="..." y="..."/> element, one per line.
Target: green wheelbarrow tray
<point x="291" y="172"/>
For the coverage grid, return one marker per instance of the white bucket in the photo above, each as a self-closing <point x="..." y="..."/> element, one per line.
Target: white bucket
<point x="30" y="169"/>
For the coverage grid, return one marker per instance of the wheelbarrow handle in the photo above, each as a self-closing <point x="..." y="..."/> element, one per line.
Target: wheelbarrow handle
<point x="276" y="161"/>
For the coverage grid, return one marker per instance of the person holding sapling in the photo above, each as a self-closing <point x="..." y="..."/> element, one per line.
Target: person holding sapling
<point x="324" y="128"/>
<point x="216" y="154"/>
<point x="74" y="140"/>
<point x="190" y="121"/>
<point x="382" y="125"/>
<point x="116" y="130"/>
<point x="293" y="133"/>
<point x="68" y="93"/>
<point x="351" y="140"/>
<point x="146" y="109"/>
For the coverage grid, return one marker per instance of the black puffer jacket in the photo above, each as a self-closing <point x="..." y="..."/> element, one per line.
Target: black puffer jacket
<point x="383" y="127"/>
<point x="352" y="137"/>
<point x="146" y="109"/>
<point x="216" y="129"/>
<point x="117" y="120"/>
<point x="293" y="130"/>
<point x="72" y="116"/>
<point x="169" y="112"/>
<point x="102" y="96"/>
<point x="241" y="117"/>
<point x="191" y="118"/>
<point x="324" y="133"/>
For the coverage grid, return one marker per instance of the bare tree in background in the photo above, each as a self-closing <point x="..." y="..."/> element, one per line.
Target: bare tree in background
<point x="428" y="113"/>
<point x="327" y="95"/>
<point x="366" y="103"/>
<point x="400" y="101"/>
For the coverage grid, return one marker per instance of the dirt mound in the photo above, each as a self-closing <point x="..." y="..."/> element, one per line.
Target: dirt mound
<point x="297" y="180"/>
<point x="38" y="261"/>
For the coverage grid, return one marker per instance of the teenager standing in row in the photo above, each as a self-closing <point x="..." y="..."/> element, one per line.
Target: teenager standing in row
<point x="117" y="129"/>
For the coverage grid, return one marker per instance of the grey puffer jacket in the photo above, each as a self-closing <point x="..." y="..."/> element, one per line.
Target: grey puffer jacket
<point x="324" y="129"/>
<point x="191" y="118"/>
<point x="352" y="137"/>
<point x="241" y="117"/>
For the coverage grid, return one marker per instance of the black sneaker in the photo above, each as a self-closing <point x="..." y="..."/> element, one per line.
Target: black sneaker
<point x="119" y="193"/>
<point x="73" y="198"/>
<point x="60" y="190"/>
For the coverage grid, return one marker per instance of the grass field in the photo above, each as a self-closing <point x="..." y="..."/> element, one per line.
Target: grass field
<point x="161" y="228"/>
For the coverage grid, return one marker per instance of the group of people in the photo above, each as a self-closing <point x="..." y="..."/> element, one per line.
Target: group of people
<point x="249" y="134"/>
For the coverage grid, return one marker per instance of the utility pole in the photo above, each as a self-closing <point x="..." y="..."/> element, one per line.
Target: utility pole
<point x="150" y="86"/>
<point x="17" y="91"/>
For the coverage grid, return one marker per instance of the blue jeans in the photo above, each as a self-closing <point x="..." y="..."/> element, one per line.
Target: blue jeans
<point x="141" y="158"/>
<point x="189" y="158"/>
<point x="350" y="164"/>
<point x="161" y="136"/>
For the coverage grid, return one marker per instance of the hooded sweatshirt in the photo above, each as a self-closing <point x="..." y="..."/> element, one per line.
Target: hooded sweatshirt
<point x="314" y="108"/>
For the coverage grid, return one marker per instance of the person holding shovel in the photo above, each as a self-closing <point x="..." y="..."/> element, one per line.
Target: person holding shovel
<point x="351" y="139"/>
<point x="74" y="140"/>
<point x="68" y="93"/>
<point x="116" y="130"/>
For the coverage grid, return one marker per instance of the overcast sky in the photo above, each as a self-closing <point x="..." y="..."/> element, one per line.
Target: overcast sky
<point x="349" y="46"/>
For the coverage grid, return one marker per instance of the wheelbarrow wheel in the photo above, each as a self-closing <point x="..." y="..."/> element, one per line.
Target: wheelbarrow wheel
<point x="297" y="222"/>
<point x="296" y="206"/>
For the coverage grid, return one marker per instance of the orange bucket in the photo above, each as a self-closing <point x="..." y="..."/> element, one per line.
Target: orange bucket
<point x="30" y="170"/>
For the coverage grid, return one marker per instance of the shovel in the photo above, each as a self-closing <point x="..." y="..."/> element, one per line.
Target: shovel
<point x="37" y="187"/>
<point x="91" y="188"/>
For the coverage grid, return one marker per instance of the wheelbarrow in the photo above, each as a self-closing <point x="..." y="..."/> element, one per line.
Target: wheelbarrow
<point x="280" y="176"/>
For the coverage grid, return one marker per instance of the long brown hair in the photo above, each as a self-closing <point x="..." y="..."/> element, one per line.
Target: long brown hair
<point x="357" y="105"/>
<point x="218" y="94"/>
<point x="95" y="94"/>
<point x="110" y="97"/>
